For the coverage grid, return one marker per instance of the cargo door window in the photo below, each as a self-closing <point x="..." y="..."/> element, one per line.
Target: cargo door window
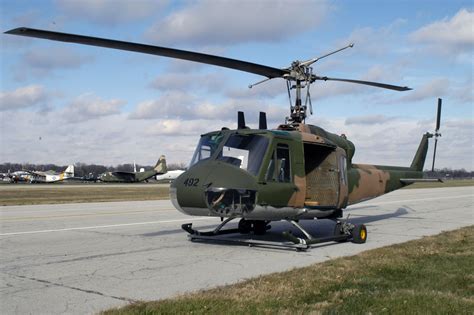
<point x="279" y="168"/>
<point x="283" y="163"/>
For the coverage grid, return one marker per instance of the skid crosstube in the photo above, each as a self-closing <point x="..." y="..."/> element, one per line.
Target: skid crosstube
<point x="293" y="241"/>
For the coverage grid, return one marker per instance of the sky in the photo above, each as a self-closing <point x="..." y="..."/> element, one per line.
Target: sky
<point x="65" y="103"/>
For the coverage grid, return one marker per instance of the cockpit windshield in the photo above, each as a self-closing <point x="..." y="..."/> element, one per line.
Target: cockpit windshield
<point x="206" y="147"/>
<point x="244" y="151"/>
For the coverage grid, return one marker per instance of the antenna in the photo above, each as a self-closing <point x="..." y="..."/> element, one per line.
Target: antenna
<point x="262" y="121"/>
<point x="240" y="120"/>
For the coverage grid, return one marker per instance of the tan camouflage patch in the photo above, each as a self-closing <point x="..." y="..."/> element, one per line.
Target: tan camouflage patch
<point x="298" y="197"/>
<point x="371" y="184"/>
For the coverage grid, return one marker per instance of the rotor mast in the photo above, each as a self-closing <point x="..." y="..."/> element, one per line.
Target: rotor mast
<point x="301" y="72"/>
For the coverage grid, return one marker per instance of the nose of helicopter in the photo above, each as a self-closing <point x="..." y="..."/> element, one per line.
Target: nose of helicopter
<point x="214" y="188"/>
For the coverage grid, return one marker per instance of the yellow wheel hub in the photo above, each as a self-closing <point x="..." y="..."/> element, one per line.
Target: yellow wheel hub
<point x="363" y="234"/>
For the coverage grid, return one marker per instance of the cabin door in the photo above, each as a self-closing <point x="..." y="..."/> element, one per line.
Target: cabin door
<point x="322" y="176"/>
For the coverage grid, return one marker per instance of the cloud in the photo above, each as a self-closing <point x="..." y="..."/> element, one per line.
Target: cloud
<point x="41" y="62"/>
<point x="114" y="139"/>
<point x="463" y="92"/>
<point x="437" y="87"/>
<point x="368" y="120"/>
<point x="230" y="22"/>
<point x="183" y="106"/>
<point x="58" y="58"/>
<point x="176" y="127"/>
<point x="454" y="35"/>
<point x="110" y="12"/>
<point x="24" y="97"/>
<point x="374" y="41"/>
<point x="88" y="106"/>
<point x="179" y="81"/>
<point x="175" y="104"/>
<point x="269" y="89"/>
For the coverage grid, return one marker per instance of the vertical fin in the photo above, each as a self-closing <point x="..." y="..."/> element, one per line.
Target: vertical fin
<point x="420" y="156"/>
<point x="160" y="166"/>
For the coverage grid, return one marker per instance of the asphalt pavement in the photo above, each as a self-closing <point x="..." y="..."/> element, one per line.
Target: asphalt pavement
<point x="83" y="258"/>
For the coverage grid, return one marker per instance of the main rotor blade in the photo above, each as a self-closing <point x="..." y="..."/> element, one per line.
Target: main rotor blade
<point x="376" y="84"/>
<point x="438" y="116"/>
<point x="152" y="50"/>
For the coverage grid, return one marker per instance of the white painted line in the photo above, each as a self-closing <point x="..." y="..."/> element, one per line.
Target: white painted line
<point x="103" y="226"/>
<point x="207" y="218"/>
<point x="408" y="200"/>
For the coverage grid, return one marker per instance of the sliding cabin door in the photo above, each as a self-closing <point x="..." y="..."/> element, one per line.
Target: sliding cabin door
<point x="322" y="176"/>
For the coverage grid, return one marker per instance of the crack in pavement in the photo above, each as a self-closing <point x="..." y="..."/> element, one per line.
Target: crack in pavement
<point x="76" y="288"/>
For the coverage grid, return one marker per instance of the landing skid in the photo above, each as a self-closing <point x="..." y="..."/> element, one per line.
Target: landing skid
<point x="343" y="232"/>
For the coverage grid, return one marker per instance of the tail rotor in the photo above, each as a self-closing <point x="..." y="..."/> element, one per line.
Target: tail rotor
<point x="437" y="133"/>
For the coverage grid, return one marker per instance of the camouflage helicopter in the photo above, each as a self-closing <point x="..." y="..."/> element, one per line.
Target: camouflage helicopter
<point x="294" y="172"/>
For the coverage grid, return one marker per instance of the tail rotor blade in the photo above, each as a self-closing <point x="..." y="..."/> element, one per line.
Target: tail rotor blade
<point x="438" y="117"/>
<point x="434" y="154"/>
<point x="437" y="134"/>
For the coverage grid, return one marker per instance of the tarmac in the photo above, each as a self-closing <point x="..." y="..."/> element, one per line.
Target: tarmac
<point x="84" y="258"/>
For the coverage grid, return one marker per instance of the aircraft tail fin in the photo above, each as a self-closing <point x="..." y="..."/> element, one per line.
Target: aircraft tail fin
<point x="420" y="156"/>
<point x="160" y="166"/>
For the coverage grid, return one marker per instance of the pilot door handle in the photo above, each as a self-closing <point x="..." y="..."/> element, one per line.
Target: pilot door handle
<point x="333" y="170"/>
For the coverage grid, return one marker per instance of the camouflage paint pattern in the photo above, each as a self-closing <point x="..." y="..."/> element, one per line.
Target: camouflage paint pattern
<point x="135" y="177"/>
<point x="357" y="182"/>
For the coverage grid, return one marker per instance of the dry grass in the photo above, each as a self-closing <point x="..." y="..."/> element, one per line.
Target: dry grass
<point x="446" y="183"/>
<point x="50" y="194"/>
<point x="25" y="194"/>
<point x="434" y="275"/>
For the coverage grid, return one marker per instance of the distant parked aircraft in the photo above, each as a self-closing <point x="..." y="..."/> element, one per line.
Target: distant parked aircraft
<point x="48" y="177"/>
<point x="170" y="175"/>
<point x="134" y="177"/>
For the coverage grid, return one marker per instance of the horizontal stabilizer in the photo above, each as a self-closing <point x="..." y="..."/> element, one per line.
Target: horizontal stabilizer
<point x="420" y="180"/>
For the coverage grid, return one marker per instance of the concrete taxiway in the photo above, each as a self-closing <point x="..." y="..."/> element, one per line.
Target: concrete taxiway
<point x="83" y="258"/>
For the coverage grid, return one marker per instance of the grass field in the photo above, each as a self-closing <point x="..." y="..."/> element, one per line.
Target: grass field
<point x="25" y="194"/>
<point x="433" y="275"/>
<point x="446" y="183"/>
<point x="51" y="194"/>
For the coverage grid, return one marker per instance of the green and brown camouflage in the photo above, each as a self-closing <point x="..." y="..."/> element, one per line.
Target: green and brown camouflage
<point x="297" y="171"/>
<point x="135" y="177"/>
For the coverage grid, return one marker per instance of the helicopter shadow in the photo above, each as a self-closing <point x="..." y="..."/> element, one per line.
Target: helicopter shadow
<point x="173" y="231"/>
<point x="400" y="212"/>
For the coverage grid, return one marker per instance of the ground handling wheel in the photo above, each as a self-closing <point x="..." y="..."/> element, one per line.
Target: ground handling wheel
<point x="359" y="234"/>
<point x="245" y="226"/>
<point x="259" y="227"/>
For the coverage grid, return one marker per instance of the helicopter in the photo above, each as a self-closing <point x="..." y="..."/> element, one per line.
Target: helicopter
<point x="294" y="172"/>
